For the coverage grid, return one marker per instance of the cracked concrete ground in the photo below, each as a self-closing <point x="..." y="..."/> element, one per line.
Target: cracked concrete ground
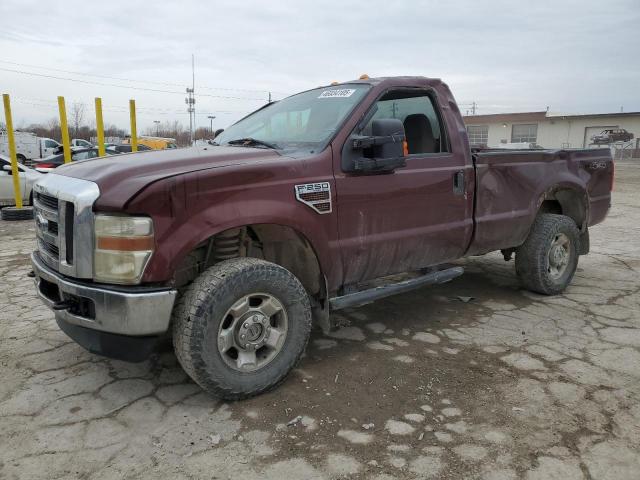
<point x="431" y="384"/>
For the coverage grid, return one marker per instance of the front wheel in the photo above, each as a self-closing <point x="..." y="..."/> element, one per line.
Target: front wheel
<point x="547" y="260"/>
<point x="241" y="327"/>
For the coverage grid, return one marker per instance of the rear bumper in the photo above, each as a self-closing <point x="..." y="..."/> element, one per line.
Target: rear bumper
<point x="132" y="311"/>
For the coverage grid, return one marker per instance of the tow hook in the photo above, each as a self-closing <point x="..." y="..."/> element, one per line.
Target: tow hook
<point x="63" y="305"/>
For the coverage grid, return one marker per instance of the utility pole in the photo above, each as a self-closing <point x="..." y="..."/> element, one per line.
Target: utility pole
<point x="269" y="97"/>
<point x="157" y="122"/>
<point x="191" y="101"/>
<point x="193" y="91"/>
<point x="473" y="108"/>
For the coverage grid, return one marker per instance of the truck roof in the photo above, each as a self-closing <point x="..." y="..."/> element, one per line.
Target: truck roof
<point x="398" y="80"/>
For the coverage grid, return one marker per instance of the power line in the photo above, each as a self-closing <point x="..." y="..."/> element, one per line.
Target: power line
<point x="148" y="111"/>
<point x="128" y="87"/>
<point x="122" y="79"/>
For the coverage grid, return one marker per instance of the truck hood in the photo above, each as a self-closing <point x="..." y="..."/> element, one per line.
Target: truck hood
<point x="131" y="172"/>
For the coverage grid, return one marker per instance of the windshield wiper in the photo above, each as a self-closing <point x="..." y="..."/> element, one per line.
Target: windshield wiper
<point x="250" y="141"/>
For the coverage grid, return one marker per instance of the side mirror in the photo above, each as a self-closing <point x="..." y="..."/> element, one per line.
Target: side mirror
<point x="384" y="149"/>
<point x="7" y="168"/>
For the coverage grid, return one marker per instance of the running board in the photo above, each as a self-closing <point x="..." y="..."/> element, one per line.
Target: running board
<point x="367" y="296"/>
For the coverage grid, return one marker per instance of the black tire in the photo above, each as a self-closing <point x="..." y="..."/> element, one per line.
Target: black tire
<point x="15" y="213"/>
<point x="533" y="264"/>
<point x="203" y="306"/>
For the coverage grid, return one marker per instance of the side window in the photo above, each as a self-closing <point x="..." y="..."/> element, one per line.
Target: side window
<point x="50" y="144"/>
<point x="416" y="110"/>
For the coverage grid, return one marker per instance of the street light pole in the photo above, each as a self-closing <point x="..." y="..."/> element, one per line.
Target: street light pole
<point x="157" y="122"/>
<point x="210" y="117"/>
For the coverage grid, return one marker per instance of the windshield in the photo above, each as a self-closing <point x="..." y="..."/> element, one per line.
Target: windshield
<point x="306" y="121"/>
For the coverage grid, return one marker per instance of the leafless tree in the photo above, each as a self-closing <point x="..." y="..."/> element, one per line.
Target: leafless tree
<point x="77" y="117"/>
<point x="170" y="129"/>
<point x="54" y="128"/>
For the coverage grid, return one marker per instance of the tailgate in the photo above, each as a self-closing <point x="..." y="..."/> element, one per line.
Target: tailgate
<point x="597" y="168"/>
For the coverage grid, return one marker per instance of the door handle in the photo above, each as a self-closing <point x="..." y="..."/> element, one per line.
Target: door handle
<point x="458" y="183"/>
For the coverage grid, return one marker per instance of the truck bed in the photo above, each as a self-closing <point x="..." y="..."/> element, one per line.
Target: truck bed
<point x="512" y="184"/>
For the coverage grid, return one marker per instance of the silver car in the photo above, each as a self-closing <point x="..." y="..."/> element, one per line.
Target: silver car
<point x="28" y="177"/>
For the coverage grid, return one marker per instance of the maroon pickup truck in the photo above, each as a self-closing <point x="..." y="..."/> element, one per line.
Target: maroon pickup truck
<point x="236" y="248"/>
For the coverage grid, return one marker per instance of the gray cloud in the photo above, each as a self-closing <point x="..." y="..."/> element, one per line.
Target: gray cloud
<point x="573" y="56"/>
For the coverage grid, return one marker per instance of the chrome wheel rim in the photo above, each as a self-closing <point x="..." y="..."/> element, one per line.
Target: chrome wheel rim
<point x="252" y="332"/>
<point x="558" y="256"/>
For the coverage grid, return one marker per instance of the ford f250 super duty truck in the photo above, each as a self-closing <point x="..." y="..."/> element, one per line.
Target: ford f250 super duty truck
<point x="234" y="248"/>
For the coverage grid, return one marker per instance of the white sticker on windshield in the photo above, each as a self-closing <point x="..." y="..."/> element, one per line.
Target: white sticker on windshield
<point x="337" y="93"/>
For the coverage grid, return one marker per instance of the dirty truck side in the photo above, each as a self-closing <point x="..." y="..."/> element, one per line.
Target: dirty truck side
<point x="236" y="248"/>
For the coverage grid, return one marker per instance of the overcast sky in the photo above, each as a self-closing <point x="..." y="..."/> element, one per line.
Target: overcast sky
<point x="573" y="56"/>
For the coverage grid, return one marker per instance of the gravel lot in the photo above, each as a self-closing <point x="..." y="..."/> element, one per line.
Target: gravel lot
<point x="432" y="384"/>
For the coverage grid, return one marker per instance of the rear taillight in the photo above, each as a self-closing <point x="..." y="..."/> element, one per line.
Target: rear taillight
<point x="46" y="165"/>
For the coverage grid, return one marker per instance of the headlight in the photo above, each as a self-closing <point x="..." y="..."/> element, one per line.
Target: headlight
<point x="123" y="247"/>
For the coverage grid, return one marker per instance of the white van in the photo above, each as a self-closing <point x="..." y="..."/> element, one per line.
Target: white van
<point x="28" y="146"/>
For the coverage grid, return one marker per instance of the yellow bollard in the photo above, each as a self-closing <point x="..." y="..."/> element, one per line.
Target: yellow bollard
<point x="66" y="143"/>
<point x="12" y="151"/>
<point x="134" y="130"/>
<point x="100" y="127"/>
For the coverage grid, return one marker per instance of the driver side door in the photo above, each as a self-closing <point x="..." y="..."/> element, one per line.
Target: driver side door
<point x="416" y="216"/>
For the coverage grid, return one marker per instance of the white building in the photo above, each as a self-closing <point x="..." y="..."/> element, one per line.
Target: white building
<point x="550" y="130"/>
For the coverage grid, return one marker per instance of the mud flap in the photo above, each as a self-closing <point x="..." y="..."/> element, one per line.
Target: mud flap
<point x="584" y="242"/>
<point x="321" y="317"/>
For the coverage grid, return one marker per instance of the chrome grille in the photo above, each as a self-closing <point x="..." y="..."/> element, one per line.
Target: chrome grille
<point x="50" y="248"/>
<point x="64" y="223"/>
<point x="47" y="201"/>
<point x="46" y="214"/>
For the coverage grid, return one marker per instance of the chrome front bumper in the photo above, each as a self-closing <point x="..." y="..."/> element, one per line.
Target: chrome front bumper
<point x="125" y="311"/>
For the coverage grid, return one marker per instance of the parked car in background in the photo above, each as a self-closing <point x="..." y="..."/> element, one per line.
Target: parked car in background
<point x="155" y="143"/>
<point x="54" y="161"/>
<point x="126" y="148"/>
<point x="611" y="135"/>
<point x="81" y="142"/>
<point x="28" y="146"/>
<point x="28" y="177"/>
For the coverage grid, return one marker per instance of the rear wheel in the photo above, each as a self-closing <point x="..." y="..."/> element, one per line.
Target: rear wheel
<point x="548" y="259"/>
<point x="241" y="326"/>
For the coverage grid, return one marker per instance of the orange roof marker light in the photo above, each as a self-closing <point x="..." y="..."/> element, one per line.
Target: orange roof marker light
<point x="364" y="76"/>
<point x="335" y="83"/>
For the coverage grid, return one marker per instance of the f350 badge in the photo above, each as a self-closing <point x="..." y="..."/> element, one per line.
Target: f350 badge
<point x="315" y="195"/>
